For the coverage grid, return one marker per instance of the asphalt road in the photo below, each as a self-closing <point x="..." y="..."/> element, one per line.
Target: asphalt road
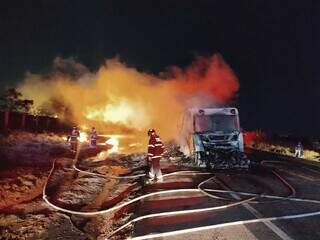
<point x="296" y="180"/>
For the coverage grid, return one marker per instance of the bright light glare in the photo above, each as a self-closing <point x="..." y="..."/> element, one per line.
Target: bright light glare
<point x="115" y="144"/>
<point x="83" y="137"/>
<point x="122" y="111"/>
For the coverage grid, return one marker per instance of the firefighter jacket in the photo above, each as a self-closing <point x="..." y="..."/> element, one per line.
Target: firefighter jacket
<point x="298" y="147"/>
<point x="94" y="135"/>
<point x="155" y="147"/>
<point x="75" y="134"/>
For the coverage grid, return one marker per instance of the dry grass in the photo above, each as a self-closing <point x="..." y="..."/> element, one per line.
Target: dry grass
<point x="29" y="149"/>
<point x="307" y="154"/>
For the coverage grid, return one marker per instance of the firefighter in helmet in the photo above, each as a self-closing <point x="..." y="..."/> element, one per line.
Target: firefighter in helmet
<point x="74" y="138"/>
<point x="155" y="150"/>
<point x="93" y="137"/>
<point x="298" y="150"/>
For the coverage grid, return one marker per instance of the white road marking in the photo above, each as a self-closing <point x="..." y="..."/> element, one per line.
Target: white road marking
<point x="266" y="221"/>
<point x="312" y="170"/>
<point x="269" y="224"/>
<point x="229" y="224"/>
<point x="258" y="215"/>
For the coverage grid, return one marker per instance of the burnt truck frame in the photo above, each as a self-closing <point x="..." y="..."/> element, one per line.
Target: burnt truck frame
<point x="212" y="138"/>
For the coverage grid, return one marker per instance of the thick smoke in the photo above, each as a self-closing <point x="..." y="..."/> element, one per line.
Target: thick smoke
<point x="208" y="77"/>
<point x="122" y="96"/>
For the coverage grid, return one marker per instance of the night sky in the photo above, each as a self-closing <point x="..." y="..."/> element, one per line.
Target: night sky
<point x="273" y="46"/>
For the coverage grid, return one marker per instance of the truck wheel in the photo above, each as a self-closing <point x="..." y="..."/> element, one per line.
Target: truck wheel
<point x="208" y="166"/>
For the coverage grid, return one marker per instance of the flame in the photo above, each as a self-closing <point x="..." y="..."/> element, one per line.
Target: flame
<point x="123" y="98"/>
<point x="122" y="111"/>
<point x="134" y="144"/>
<point x="83" y="137"/>
<point x="115" y="144"/>
<point x="101" y="156"/>
<point x="84" y="127"/>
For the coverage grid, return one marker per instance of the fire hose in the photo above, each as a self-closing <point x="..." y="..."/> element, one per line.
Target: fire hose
<point x="205" y="192"/>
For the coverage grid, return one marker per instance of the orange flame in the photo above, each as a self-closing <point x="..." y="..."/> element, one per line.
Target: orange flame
<point x="124" y="98"/>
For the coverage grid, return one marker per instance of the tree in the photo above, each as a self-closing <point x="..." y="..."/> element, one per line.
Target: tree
<point x="11" y="101"/>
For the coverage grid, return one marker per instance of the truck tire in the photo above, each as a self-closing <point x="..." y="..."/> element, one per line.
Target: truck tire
<point x="209" y="167"/>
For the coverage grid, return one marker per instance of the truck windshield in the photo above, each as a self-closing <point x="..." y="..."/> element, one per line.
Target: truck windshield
<point x="216" y="123"/>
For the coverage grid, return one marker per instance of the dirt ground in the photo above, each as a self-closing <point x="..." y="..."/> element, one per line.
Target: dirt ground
<point x="27" y="159"/>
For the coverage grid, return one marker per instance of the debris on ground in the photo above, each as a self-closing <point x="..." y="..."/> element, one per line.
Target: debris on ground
<point x="24" y="214"/>
<point x="174" y="155"/>
<point x="20" y="185"/>
<point x="231" y="159"/>
<point x="39" y="226"/>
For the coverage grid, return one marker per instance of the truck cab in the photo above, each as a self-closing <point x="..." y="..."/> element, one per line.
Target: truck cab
<point x="212" y="137"/>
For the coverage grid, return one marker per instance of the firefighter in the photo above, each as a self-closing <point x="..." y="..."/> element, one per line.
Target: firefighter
<point x="74" y="138"/>
<point x="93" y="137"/>
<point x="155" y="150"/>
<point x="298" y="150"/>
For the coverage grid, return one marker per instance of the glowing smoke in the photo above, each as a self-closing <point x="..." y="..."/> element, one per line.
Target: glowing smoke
<point x="122" y="96"/>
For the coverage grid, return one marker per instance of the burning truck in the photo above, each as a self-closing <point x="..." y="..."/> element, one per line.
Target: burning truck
<point x="211" y="137"/>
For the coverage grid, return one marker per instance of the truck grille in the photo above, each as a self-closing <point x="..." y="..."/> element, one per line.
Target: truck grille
<point x="218" y="137"/>
<point x="223" y="145"/>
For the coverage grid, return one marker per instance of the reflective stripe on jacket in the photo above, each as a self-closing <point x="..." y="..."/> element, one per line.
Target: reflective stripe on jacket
<point x="155" y="147"/>
<point x="74" y="135"/>
<point x="94" y="135"/>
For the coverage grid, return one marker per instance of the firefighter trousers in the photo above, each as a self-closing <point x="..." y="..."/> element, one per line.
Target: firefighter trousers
<point x="74" y="145"/>
<point x="93" y="142"/>
<point x="298" y="153"/>
<point x="155" y="170"/>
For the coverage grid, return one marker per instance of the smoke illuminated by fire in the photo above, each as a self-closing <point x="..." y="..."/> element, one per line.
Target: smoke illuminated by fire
<point x="207" y="76"/>
<point x="123" y="97"/>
